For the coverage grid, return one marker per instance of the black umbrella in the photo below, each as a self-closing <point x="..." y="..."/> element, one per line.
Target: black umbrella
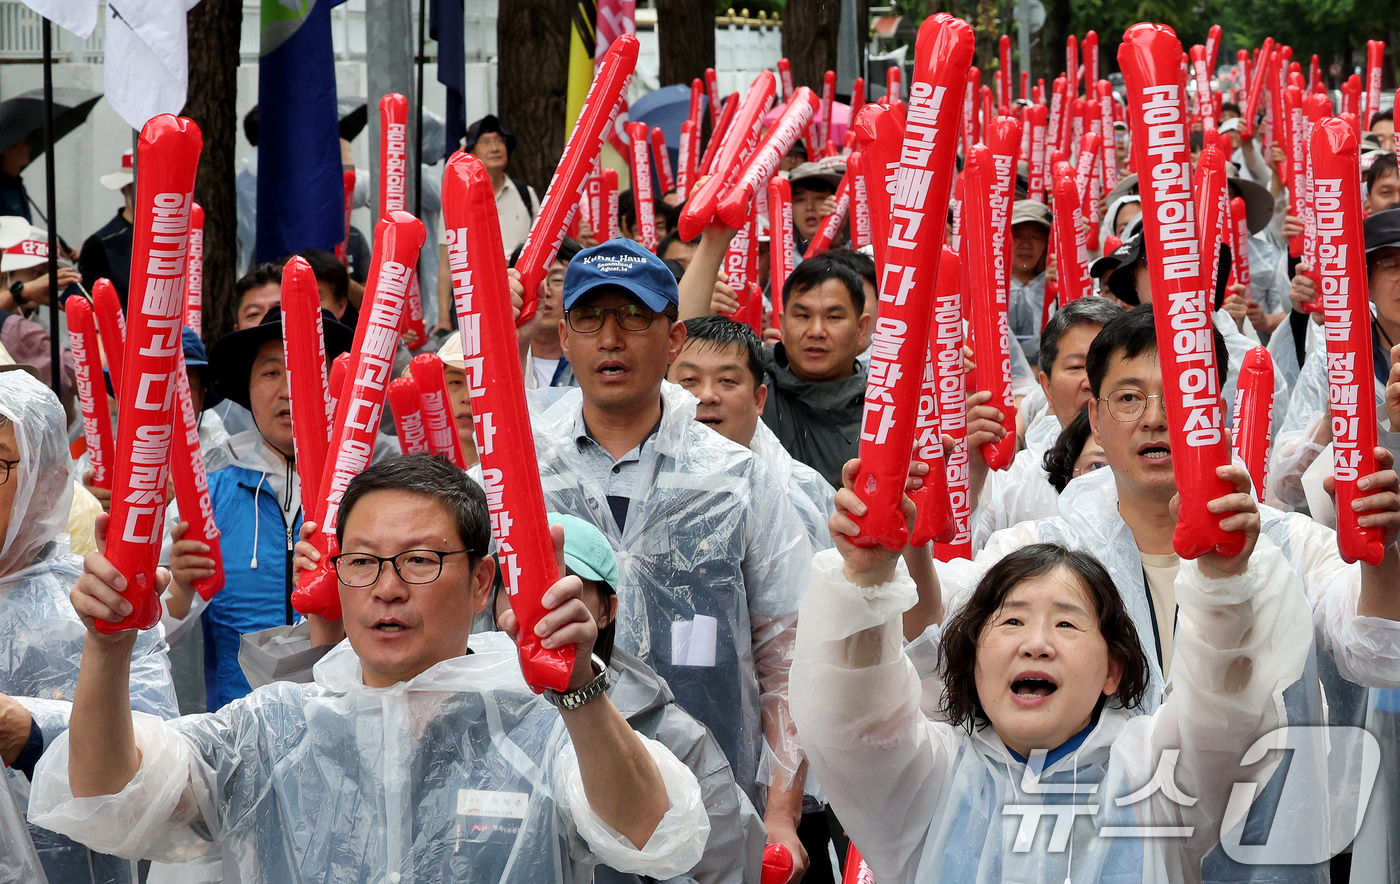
<point x="354" y="114"/>
<point x="22" y="117"/>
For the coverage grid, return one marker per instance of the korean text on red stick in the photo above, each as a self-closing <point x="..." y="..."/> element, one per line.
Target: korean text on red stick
<point x="1346" y="303"/>
<point x="857" y="870"/>
<point x="639" y="146"/>
<point x="702" y="206"/>
<point x="509" y="470"/>
<point x="393" y="154"/>
<point x="712" y="92"/>
<point x="785" y="84"/>
<point x="1213" y="46"/>
<point x="1036" y="122"/>
<point x="438" y="414"/>
<point x="893" y="89"/>
<point x="361" y="401"/>
<point x="194" y="275"/>
<point x="304" y="346"/>
<point x="1295" y="137"/>
<point x="1150" y="58"/>
<point x="608" y="200"/>
<point x="912" y="256"/>
<point x="192" y="484"/>
<point x="406" y="403"/>
<point x="1205" y="102"/>
<point x="1239" y="240"/>
<point x="1004" y="96"/>
<point x="92" y="394"/>
<point x="168" y="154"/>
<point x="860" y="201"/>
<point x="946" y="348"/>
<point x="1210" y="192"/>
<point x="662" y="157"/>
<point x="779" y="247"/>
<point x="991" y="180"/>
<point x="1109" y="165"/>
<point x="880" y="135"/>
<point x="828" y="99"/>
<point x="733" y="207"/>
<point x="1089" y="49"/>
<point x="111" y="330"/>
<point x="1254" y="412"/>
<point x="595" y="118"/>
<point x="934" y="520"/>
<point x="686" y="159"/>
<point x="1375" y="58"/>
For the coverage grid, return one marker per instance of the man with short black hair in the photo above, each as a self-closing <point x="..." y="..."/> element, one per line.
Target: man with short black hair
<point x="333" y="282"/>
<point x="813" y="198"/>
<point x="433" y="757"/>
<point x="1030" y="247"/>
<point x="1383" y="125"/>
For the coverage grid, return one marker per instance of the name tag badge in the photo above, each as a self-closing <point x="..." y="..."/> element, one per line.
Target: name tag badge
<point x="497" y="805"/>
<point x="693" y="641"/>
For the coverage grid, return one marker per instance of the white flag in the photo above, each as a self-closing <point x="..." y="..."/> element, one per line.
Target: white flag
<point x="147" y="66"/>
<point x="78" y="17"/>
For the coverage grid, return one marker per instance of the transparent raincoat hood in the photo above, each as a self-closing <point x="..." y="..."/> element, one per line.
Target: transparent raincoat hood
<point x="43" y="492"/>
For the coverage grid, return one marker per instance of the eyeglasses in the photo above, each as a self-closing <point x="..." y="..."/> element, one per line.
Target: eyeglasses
<point x="630" y="317"/>
<point x="6" y="467"/>
<point x="1088" y="468"/>
<point x="415" y="566"/>
<point x="1128" y="405"/>
<point x="555" y="281"/>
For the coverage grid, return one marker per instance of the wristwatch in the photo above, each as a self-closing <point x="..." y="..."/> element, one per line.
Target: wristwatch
<point x="17" y="292"/>
<point x="575" y="699"/>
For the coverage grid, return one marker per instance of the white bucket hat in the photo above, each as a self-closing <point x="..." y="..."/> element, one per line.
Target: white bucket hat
<point x="118" y="180"/>
<point x="31" y="251"/>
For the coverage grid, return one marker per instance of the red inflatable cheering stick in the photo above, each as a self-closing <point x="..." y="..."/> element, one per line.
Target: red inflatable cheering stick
<point x="778" y="865"/>
<point x="1254" y="413"/>
<point x="662" y="157"/>
<point x="987" y="214"/>
<point x="304" y="343"/>
<point x="946" y="347"/>
<point x="642" y="199"/>
<point x="1150" y="58"/>
<point x="1346" y="304"/>
<point x="192" y="484"/>
<point x="438" y="414"/>
<point x="934" y="520"/>
<point x="1071" y="255"/>
<point x="168" y="154"/>
<point x="406" y="402"/>
<point x="733" y="208"/>
<point x="831" y="225"/>
<point x="703" y="205"/>
<point x="194" y="277"/>
<point x="393" y="197"/>
<point x="509" y="469"/>
<point x="1375" y="61"/>
<point x="595" y="118"/>
<point x="111" y="329"/>
<point x="92" y="393"/>
<point x="880" y="134"/>
<point x="919" y="210"/>
<point x="779" y="241"/>
<point x="361" y="401"/>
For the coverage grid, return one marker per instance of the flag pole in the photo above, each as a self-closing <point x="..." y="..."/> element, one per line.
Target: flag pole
<point x="418" y="117"/>
<point x="55" y="365"/>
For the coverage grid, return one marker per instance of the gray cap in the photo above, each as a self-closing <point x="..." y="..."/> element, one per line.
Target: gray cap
<point x="1031" y="212"/>
<point x="820" y="171"/>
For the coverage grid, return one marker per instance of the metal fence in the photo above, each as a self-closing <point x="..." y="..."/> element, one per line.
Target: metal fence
<point x="22" y="40"/>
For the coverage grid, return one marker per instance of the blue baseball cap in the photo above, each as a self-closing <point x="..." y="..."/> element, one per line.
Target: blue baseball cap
<point x="625" y="264"/>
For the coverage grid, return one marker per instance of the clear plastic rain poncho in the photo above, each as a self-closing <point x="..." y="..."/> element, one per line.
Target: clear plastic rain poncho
<point x="712" y="565"/>
<point x="929" y="802"/>
<point x="810" y="494"/>
<point x="1296" y="445"/>
<point x="461" y="774"/>
<point x="41" y="637"/>
<point x="1347" y="649"/>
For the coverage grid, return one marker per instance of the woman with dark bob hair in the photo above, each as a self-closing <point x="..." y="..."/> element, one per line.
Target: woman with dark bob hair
<point x="1041" y="675"/>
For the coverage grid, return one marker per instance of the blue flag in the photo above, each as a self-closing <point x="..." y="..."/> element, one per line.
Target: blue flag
<point x="301" y="195"/>
<point x="446" y="28"/>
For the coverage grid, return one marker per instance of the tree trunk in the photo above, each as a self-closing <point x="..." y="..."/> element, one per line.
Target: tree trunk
<point x="1052" y="41"/>
<point x="214" y="30"/>
<point x="533" y="91"/>
<point x="809" y="39"/>
<point x="685" y="33"/>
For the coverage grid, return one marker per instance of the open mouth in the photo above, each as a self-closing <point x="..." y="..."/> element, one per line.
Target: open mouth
<point x="1155" y="450"/>
<point x="709" y="420"/>
<point x="390" y="627"/>
<point x="612" y="369"/>
<point x="1034" y="687"/>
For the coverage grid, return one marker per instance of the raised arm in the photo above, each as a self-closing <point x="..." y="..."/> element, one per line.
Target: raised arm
<point x="699" y="282"/>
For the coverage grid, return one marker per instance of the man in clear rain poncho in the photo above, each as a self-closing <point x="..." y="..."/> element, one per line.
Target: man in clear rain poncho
<point x="412" y="758"/>
<point x="41" y="639"/>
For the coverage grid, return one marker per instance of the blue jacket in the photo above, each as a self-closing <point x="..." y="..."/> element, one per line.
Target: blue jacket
<point x="257" y="549"/>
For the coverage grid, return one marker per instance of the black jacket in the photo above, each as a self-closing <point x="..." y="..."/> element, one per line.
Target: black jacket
<point x="107" y="253"/>
<point x="817" y="422"/>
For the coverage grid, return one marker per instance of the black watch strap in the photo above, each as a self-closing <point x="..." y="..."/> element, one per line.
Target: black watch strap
<point x="17" y="292"/>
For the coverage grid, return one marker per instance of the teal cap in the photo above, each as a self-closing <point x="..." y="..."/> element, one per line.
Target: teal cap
<point x="586" y="551"/>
